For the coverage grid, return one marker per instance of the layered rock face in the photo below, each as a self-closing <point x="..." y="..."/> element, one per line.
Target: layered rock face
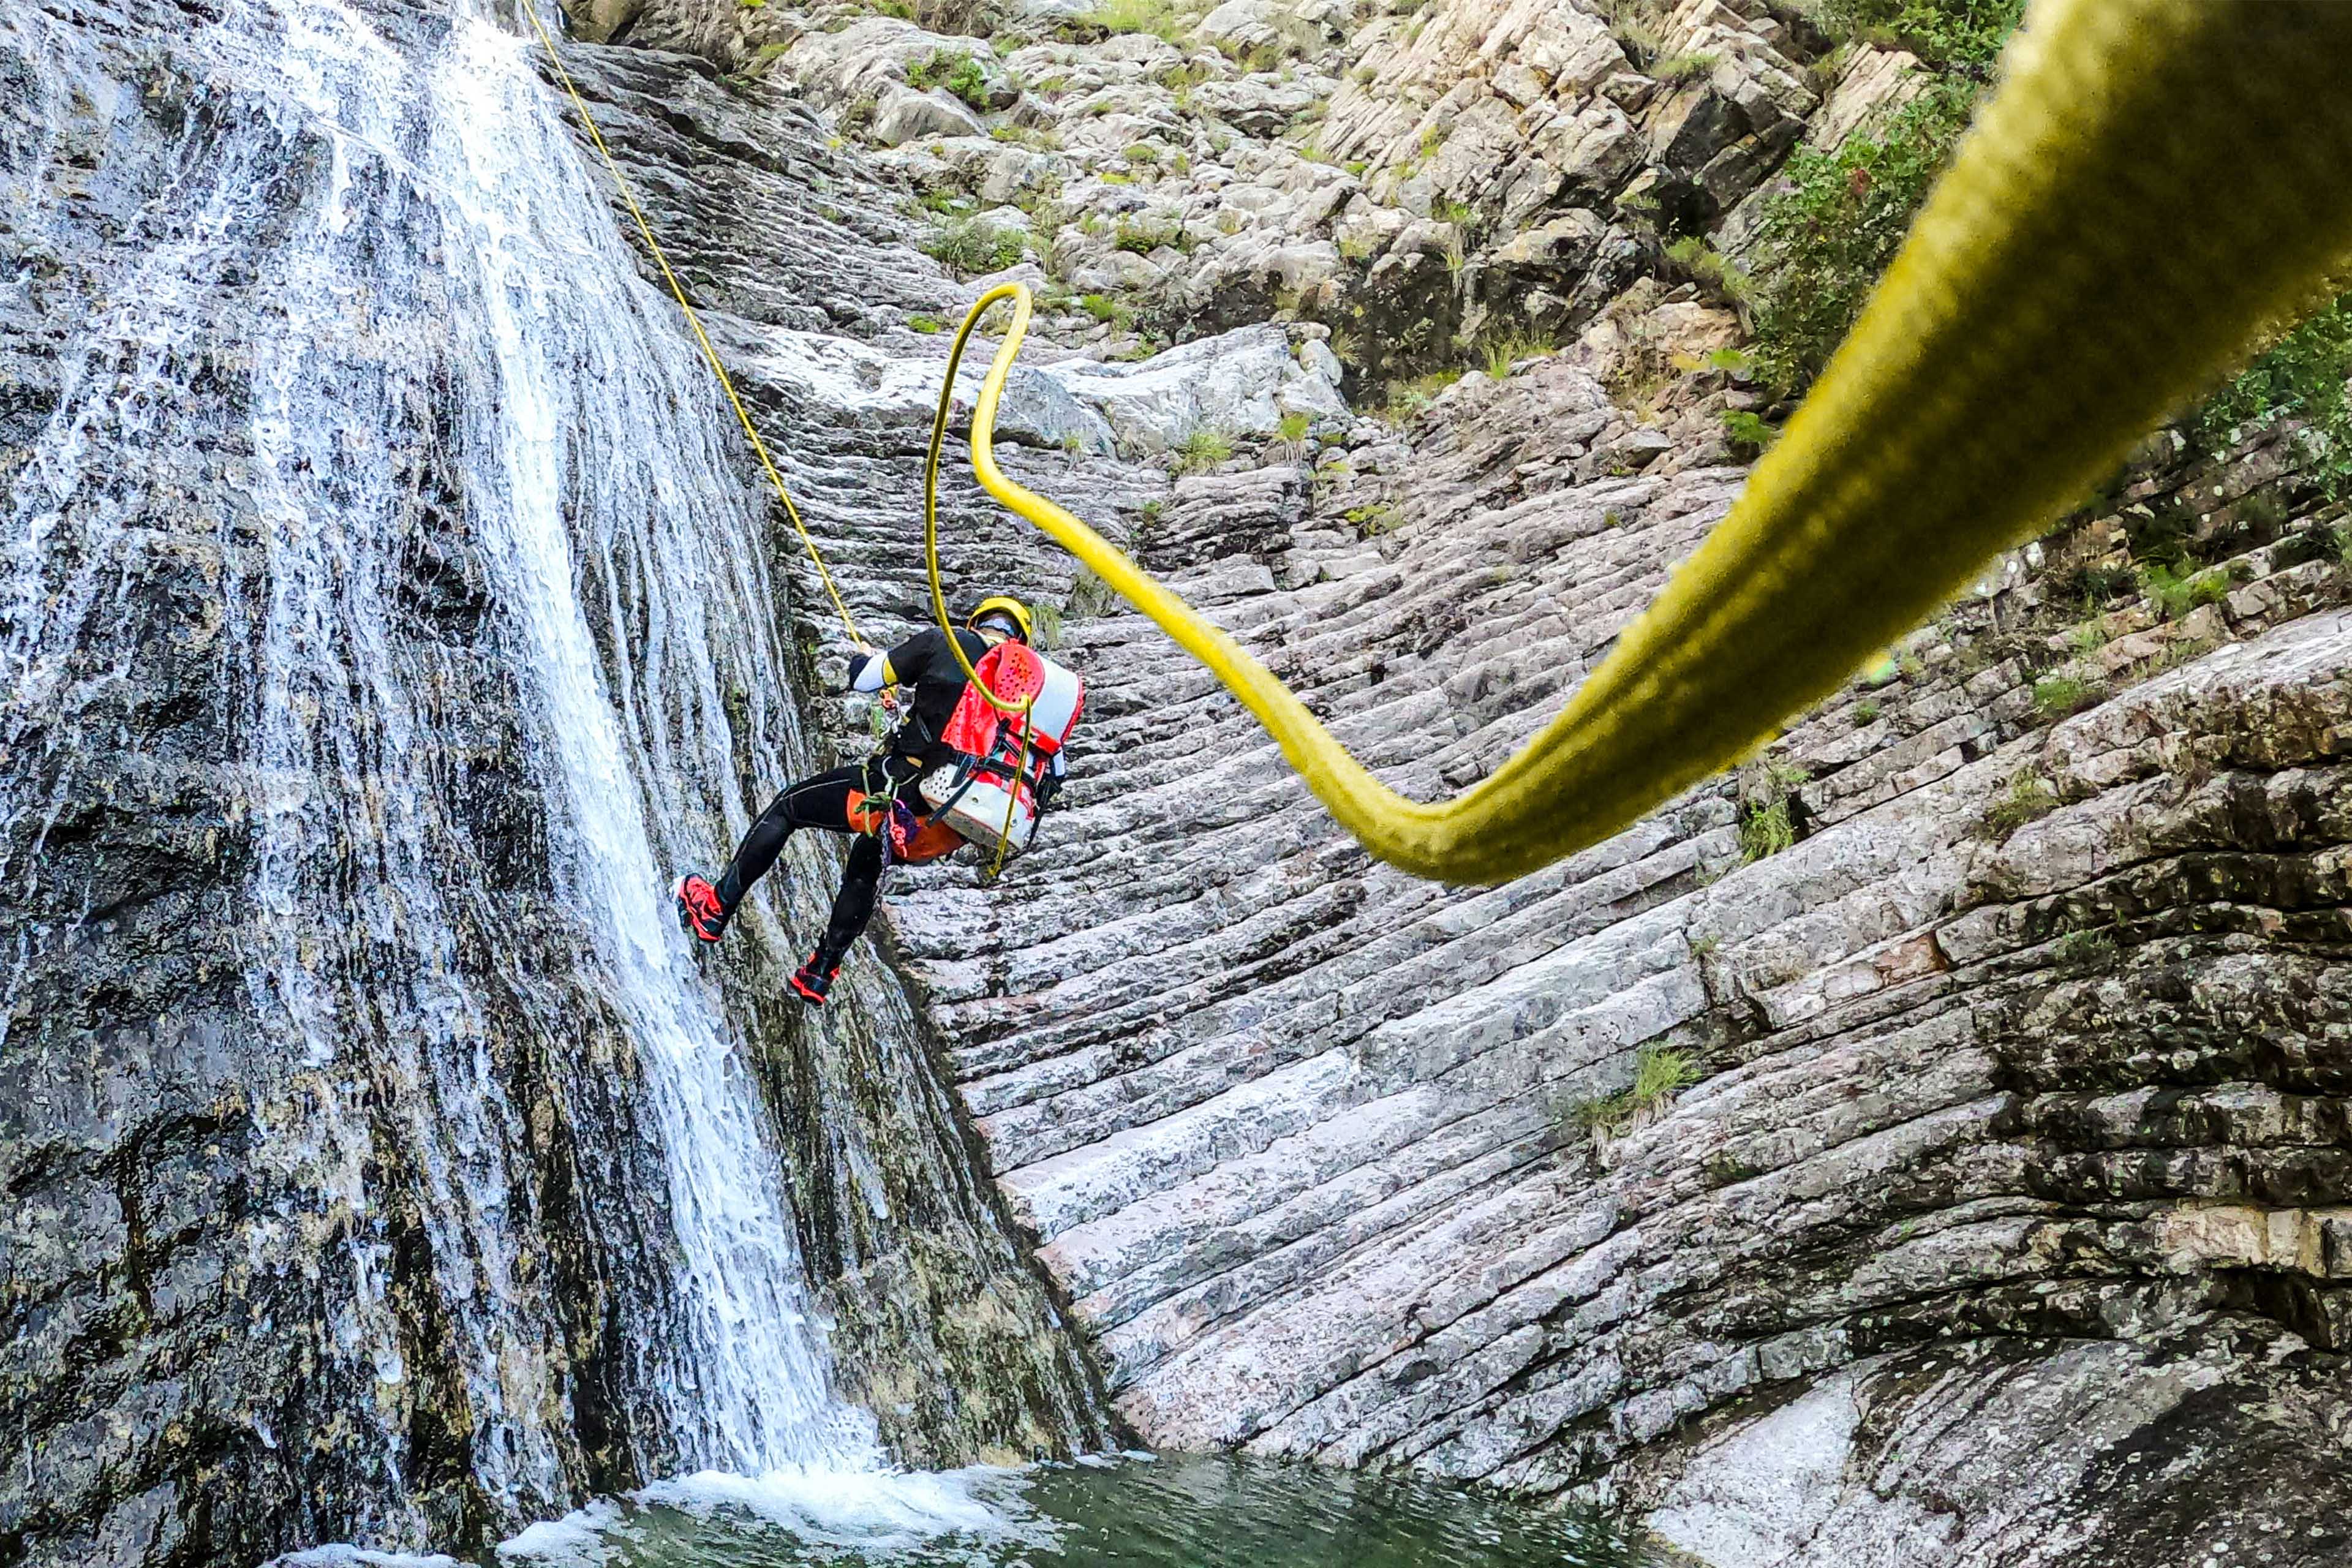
<point x="1927" y="1146"/>
<point x="1996" y="1108"/>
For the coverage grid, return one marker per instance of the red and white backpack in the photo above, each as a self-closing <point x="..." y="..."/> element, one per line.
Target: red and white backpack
<point x="985" y="794"/>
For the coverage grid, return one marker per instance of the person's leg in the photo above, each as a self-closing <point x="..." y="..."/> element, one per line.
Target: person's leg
<point x="821" y="800"/>
<point x="861" y="890"/>
<point x="861" y="886"/>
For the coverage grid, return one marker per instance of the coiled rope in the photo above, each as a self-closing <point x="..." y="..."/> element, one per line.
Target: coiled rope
<point x="2156" y="182"/>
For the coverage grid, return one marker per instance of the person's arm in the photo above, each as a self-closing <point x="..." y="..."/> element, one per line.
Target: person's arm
<point x="894" y="667"/>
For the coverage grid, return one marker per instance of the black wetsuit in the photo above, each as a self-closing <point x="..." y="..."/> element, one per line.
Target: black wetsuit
<point x="830" y="800"/>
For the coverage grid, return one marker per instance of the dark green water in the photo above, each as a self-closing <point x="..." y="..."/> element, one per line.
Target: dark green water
<point x="1172" y="1512"/>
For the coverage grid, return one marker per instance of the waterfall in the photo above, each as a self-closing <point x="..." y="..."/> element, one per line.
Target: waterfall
<point x="450" y="374"/>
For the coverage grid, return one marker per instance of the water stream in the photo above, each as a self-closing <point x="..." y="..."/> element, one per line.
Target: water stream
<point x="385" y="233"/>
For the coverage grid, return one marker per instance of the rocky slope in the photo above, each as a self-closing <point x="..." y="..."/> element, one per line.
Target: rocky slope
<point x="351" y="1193"/>
<point x="1927" y="1146"/>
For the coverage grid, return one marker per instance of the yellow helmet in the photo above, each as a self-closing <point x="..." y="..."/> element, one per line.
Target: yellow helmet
<point x="1012" y="610"/>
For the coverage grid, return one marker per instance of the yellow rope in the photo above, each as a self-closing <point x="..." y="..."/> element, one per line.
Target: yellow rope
<point x="1019" y="711"/>
<point x="2155" y="181"/>
<point x="531" y="9"/>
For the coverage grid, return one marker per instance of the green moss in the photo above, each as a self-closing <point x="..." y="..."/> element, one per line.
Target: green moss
<point x="2029" y="799"/>
<point x="926" y="323"/>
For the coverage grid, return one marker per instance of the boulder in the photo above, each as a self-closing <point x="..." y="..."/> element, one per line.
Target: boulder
<point x="905" y="115"/>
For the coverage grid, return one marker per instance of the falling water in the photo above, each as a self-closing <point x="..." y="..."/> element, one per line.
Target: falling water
<point x="448" y="349"/>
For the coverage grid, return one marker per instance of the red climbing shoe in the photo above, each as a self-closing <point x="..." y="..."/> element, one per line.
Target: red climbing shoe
<point x="813" y="980"/>
<point x="698" y="908"/>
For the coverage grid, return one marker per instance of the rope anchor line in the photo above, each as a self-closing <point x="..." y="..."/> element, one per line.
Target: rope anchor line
<point x="693" y="320"/>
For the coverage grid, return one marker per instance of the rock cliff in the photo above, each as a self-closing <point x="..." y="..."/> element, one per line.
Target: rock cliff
<point x="1925" y="1146"/>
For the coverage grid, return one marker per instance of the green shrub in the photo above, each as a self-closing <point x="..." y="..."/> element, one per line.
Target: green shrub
<point x="1747" y="431"/>
<point x="1292" y="428"/>
<point x="953" y="69"/>
<point x="2301" y="376"/>
<point x="2176" y="595"/>
<point x="1834" y="222"/>
<point x="1964" y="34"/>
<point x="2096" y="586"/>
<point x="1767" y="818"/>
<point x="1765" y="828"/>
<point x="1660" y="1072"/>
<point x="1204" y="448"/>
<point x="971" y="245"/>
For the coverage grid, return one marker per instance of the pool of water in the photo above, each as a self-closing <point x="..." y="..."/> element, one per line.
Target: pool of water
<point x="1168" y="1512"/>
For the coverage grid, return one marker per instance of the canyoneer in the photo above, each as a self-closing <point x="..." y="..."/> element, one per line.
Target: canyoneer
<point x="954" y="771"/>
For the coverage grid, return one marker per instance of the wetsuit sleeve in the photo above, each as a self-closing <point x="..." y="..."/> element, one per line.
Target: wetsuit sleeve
<point x="871" y="674"/>
<point x="911" y="661"/>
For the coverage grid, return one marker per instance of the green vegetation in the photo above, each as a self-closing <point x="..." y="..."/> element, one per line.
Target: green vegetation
<point x="1102" y="308"/>
<point x="2029" y="799"/>
<point x="1865" y="714"/>
<point x="2084" y="947"/>
<point x="1696" y="262"/>
<point x="1143" y="234"/>
<point x="1677" y="68"/>
<point x="1660" y="1073"/>
<point x="1959" y="35"/>
<point x="1204" y="448"/>
<point x="1747" y="432"/>
<point x="2176" y="594"/>
<point x="970" y="245"/>
<point x="1293" y="428"/>
<point x="1160" y="18"/>
<point x="926" y="323"/>
<point x="2056" y="696"/>
<point x="1405" y="399"/>
<point x="1505" y="349"/>
<point x="1835" y="222"/>
<point x="1768" y="822"/>
<point x="2301" y="376"/>
<point x="1372" y="521"/>
<point x="1141" y="152"/>
<point x="953" y="69"/>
